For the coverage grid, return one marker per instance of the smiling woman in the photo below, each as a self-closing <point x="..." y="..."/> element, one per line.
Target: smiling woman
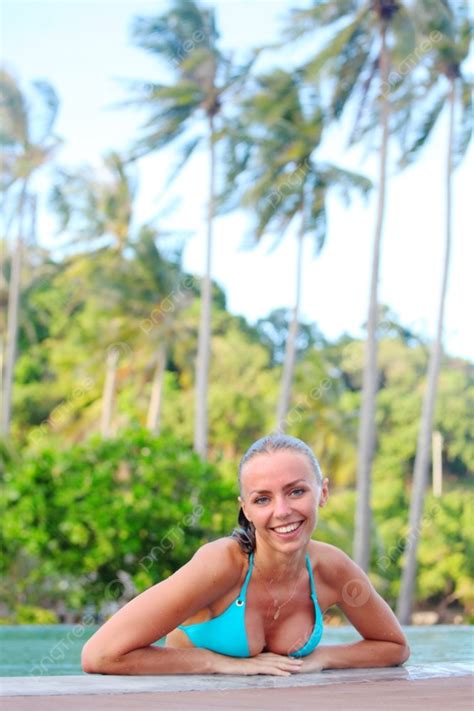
<point x="253" y="602"/>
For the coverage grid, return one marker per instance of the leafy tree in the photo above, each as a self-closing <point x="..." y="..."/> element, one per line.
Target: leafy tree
<point x="273" y="333"/>
<point x="168" y="291"/>
<point x="95" y="206"/>
<point x="186" y="38"/>
<point x="93" y="209"/>
<point x="106" y="513"/>
<point x="28" y="144"/>
<point x="366" y="37"/>
<point x="51" y="490"/>
<point x="447" y="87"/>
<point x="271" y="149"/>
<point x="103" y="208"/>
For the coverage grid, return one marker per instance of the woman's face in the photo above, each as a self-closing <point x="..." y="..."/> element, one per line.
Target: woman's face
<point x="278" y="490"/>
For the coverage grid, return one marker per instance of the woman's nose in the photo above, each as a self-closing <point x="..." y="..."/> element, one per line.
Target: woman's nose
<point x="282" y="507"/>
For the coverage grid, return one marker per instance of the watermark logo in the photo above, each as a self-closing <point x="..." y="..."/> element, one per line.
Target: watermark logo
<point x="355" y="592"/>
<point x="409" y="63"/>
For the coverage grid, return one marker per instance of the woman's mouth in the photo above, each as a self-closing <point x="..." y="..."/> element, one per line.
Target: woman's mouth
<point x="290" y="530"/>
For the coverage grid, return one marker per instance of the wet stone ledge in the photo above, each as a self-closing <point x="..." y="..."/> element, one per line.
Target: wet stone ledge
<point x="108" y="684"/>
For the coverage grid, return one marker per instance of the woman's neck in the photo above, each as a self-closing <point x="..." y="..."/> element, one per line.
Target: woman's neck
<point x="279" y="566"/>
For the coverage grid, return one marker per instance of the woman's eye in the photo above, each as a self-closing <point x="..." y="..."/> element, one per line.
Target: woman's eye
<point x="264" y="498"/>
<point x="298" y="490"/>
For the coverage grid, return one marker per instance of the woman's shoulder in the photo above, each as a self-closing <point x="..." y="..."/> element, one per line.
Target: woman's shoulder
<point x="225" y="551"/>
<point x="224" y="545"/>
<point x="329" y="560"/>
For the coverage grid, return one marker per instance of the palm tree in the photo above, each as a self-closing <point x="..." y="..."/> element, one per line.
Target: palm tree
<point x="98" y="209"/>
<point x="447" y="89"/>
<point x="273" y="334"/>
<point x="270" y="149"/>
<point x="134" y="278"/>
<point x="367" y="37"/>
<point x="96" y="206"/>
<point x="162" y="285"/>
<point x="187" y="112"/>
<point x="27" y="145"/>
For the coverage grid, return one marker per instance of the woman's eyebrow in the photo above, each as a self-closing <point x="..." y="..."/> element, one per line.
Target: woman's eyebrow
<point x="267" y="491"/>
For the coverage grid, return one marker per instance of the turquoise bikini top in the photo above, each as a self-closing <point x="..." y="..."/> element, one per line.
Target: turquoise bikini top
<point x="226" y="633"/>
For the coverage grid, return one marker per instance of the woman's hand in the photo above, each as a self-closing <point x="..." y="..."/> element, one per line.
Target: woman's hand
<point x="312" y="662"/>
<point x="263" y="663"/>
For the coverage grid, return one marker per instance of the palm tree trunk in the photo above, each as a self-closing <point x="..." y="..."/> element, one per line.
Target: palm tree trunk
<point x="204" y="342"/>
<point x="108" y="395"/>
<point x="290" y="348"/>
<point x="154" y="409"/>
<point x="366" y="448"/>
<point x="12" y="317"/>
<point x="422" y="458"/>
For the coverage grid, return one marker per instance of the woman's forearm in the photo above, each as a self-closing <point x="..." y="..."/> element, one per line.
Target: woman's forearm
<point x="366" y="653"/>
<point x="154" y="660"/>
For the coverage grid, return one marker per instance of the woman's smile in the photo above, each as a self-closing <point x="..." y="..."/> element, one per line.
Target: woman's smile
<point x="289" y="530"/>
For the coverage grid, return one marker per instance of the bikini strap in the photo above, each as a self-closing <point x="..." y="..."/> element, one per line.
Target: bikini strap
<point x="243" y="592"/>
<point x="311" y="580"/>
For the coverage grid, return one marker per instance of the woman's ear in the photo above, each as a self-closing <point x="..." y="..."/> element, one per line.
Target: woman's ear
<point x="324" y="493"/>
<point x="242" y="504"/>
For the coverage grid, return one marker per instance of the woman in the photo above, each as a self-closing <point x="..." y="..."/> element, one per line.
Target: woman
<point x="253" y="602"/>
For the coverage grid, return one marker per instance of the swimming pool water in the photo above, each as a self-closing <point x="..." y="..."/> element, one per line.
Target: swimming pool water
<point x="55" y="650"/>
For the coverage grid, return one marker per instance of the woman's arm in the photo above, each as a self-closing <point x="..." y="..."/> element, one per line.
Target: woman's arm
<point x="123" y="644"/>
<point x="383" y="643"/>
<point x="169" y="660"/>
<point x="150" y="661"/>
<point x="366" y="653"/>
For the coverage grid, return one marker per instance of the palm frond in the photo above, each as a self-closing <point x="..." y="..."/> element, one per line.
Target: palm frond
<point x="236" y="76"/>
<point x="13" y="112"/>
<point x="344" y="181"/>
<point x="200" y="67"/>
<point x="404" y="34"/>
<point x="185" y="153"/>
<point x="350" y="76"/>
<point x="175" y="108"/>
<point x="178" y="32"/>
<point x="325" y="12"/>
<point x="237" y="152"/>
<point x="316" y="221"/>
<point x="463" y="132"/>
<point x="340" y="45"/>
<point x="423" y="130"/>
<point x="50" y="101"/>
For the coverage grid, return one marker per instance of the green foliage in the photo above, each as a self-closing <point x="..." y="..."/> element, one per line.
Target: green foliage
<point x="81" y="513"/>
<point x="446" y="553"/>
<point x="30" y="615"/>
<point x="135" y="506"/>
<point x="336" y="520"/>
<point x="269" y="162"/>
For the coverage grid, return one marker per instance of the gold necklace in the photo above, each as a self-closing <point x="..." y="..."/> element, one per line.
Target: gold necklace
<point x="275" y="603"/>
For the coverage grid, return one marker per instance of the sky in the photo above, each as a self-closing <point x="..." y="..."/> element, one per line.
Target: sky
<point x="84" y="49"/>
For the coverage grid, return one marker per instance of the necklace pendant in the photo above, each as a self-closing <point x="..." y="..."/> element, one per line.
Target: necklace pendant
<point x="277" y="614"/>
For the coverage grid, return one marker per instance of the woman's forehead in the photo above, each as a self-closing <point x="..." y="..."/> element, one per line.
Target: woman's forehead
<point x="276" y="468"/>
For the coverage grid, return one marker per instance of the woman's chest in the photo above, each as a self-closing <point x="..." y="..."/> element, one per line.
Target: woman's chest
<point x="257" y="619"/>
<point x="280" y="628"/>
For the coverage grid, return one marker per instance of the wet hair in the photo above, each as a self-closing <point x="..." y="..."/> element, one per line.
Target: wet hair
<point x="245" y="532"/>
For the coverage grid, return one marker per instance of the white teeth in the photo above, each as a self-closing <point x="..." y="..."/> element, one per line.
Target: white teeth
<point x="287" y="529"/>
